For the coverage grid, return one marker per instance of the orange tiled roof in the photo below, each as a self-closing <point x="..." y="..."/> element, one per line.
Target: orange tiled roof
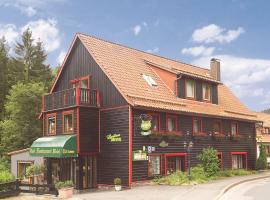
<point x="265" y="118"/>
<point x="124" y="66"/>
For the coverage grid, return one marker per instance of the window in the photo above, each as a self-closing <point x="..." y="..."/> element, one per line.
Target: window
<point x="217" y="127"/>
<point x="51" y="124"/>
<point x="206" y="89"/>
<point x="174" y="162"/>
<point x="21" y="168"/>
<point x="154" y="165"/>
<point x="149" y="80"/>
<point x="82" y="82"/>
<point x="68" y="122"/>
<point x="171" y="123"/>
<point x="155" y="122"/>
<point x="266" y="131"/>
<point x="190" y="89"/>
<point x="234" y="129"/>
<point x="220" y="160"/>
<point x="197" y="126"/>
<point x="267" y="149"/>
<point x="239" y="160"/>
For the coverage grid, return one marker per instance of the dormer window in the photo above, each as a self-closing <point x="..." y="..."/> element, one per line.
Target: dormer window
<point x="149" y="80"/>
<point x="206" y="90"/>
<point x="190" y="89"/>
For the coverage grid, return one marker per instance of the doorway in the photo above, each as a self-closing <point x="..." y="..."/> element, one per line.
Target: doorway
<point x="175" y="162"/>
<point x="89" y="172"/>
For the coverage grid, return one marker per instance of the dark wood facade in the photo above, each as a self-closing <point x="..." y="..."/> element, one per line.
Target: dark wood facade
<point x="224" y="145"/>
<point x="111" y="115"/>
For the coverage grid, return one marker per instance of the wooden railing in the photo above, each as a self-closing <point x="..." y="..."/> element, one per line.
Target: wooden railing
<point x="71" y="97"/>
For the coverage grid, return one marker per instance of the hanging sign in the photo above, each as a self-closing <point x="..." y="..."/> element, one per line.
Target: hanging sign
<point x="139" y="155"/>
<point x="114" y="137"/>
<point x="163" y="144"/>
<point x="146" y="124"/>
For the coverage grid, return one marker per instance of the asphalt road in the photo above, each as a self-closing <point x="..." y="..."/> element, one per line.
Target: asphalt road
<point x="254" y="190"/>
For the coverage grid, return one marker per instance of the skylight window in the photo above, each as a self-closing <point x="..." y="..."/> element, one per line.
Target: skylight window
<point x="149" y="80"/>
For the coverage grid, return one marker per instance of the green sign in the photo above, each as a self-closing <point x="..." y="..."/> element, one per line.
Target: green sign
<point x="114" y="137"/>
<point x="139" y="155"/>
<point x="60" y="146"/>
<point x="52" y="152"/>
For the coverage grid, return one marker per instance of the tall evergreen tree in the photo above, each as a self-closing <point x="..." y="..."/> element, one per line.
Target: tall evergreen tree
<point x="3" y="75"/>
<point x="31" y="57"/>
<point x="21" y="125"/>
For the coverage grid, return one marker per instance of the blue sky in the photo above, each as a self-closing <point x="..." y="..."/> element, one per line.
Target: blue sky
<point x="191" y="31"/>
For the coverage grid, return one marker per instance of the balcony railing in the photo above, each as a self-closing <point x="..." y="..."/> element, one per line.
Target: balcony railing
<point x="71" y="97"/>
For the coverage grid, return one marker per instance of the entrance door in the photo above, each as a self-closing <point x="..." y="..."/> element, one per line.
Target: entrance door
<point x="89" y="172"/>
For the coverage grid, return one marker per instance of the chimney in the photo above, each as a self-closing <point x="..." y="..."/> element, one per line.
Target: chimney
<point x="215" y="68"/>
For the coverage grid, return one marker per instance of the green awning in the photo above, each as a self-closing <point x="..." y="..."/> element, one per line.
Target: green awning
<point x="60" y="146"/>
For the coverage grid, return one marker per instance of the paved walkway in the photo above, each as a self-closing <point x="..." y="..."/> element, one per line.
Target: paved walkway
<point x="207" y="191"/>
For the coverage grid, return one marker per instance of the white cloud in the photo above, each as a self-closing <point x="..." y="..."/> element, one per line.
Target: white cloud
<point x="213" y="33"/>
<point x="155" y="50"/>
<point x="29" y="11"/>
<point x="247" y="77"/>
<point x="61" y="57"/>
<point x="9" y="31"/>
<point x="28" y="7"/>
<point x="198" y="51"/>
<point x="137" y="29"/>
<point x="145" y="24"/>
<point x="46" y="31"/>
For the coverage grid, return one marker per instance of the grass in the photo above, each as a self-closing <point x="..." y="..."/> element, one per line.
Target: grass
<point x="199" y="176"/>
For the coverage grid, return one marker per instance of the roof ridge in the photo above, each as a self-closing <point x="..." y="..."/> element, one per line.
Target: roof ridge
<point x="163" y="57"/>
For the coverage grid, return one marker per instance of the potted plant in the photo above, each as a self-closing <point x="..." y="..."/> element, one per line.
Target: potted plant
<point x="65" y="189"/>
<point x="34" y="172"/>
<point x="117" y="184"/>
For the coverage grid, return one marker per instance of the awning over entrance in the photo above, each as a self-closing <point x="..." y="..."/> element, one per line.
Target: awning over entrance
<point x="60" y="146"/>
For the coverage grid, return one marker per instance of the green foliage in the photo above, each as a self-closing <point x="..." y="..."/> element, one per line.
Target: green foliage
<point x="4" y="163"/>
<point x="35" y="170"/>
<point x="22" y="126"/>
<point x="6" y="176"/>
<point x="266" y="111"/>
<point x="3" y="75"/>
<point x="117" y="181"/>
<point x="198" y="175"/>
<point x="235" y="172"/>
<point x="261" y="162"/>
<point x="64" y="184"/>
<point x="31" y="57"/>
<point x="209" y="160"/>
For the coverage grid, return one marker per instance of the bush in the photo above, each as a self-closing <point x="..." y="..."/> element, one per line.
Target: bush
<point x="235" y="172"/>
<point x="117" y="181"/>
<point x="6" y="177"/>
<point x="262" y="160"/>
<point x="210" y="161"/>
<point x="35" y="170"/>
<point x="4" y="164"/>
<point x="64" y="184"/>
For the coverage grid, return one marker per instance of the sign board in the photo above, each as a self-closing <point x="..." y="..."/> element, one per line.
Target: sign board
<point x="114" y="137"/>
<point x="52" y="152"/>
<point x="139" y="155"/>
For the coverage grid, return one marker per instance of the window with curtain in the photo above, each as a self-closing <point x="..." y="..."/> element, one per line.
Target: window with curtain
<point x="238" y="161"/>
<point x="171" y="123"/>
<point x="197" y="126"/>
<point x="155" y="122"/>
<point x="51" y="125"/>
<point x="154" y="165"/>
<point x="206" y="89"/>
<point x="217" y="127"/>
<point x="68" y="123"/>
<point x="234" y="129"/>
<point x="190" y="88"/>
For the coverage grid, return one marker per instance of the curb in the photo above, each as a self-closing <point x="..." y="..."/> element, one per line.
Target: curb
<point x="227" y="188"/>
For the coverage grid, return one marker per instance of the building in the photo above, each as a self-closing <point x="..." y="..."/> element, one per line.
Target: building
<point x="114" y="111"/>
<point x="263" y="134"/>
<point x="20" y="160"/>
